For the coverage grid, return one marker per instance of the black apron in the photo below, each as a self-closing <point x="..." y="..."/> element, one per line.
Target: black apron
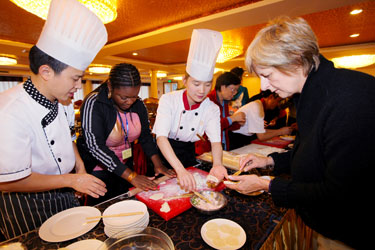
<point x="185" y="152"/>
<point x="23" y="212"/>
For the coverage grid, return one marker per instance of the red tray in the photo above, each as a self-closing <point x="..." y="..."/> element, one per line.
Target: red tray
<point x="170" y="188"/>
<point x="273" y="142"/>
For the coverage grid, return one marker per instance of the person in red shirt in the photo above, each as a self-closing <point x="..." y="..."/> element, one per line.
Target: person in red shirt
<point x="226" y="87"/>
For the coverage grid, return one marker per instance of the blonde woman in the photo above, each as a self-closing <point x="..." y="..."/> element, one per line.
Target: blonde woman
<point x="333" y="152"/>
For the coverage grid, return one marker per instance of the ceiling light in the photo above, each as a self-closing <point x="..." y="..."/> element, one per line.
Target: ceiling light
<point x="7" y="60"/>
<point x="354" y="35"/>
<point x="161" y="74"/>
<point x="353" y="62"/>
<point x="356" y="11"/>
<point x="99" y="68"/>
<point x="178" y="78"/>
<point x="229" y="51"/>
<point x="218" y="70"/>
<point x="106" y="10"/>
<point x="135" y="54"/>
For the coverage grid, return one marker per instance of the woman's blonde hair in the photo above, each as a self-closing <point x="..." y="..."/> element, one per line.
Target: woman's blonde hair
<point x="285" y="44"/>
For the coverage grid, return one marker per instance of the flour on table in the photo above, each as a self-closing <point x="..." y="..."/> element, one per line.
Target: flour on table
<point x="165" y="208"/>
<point x="157" y="196"/>
<point x="173" y="189"/>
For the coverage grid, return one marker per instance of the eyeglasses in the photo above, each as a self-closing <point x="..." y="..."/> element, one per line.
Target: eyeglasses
<point x="234" y="91"/>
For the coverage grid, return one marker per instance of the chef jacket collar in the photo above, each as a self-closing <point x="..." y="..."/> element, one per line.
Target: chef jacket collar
<point x="186" y="103"/>
<point x="42" y="100"/>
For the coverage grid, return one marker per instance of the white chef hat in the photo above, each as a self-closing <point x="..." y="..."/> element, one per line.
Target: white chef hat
<point x="72" y="34"/>
<point x="204" y="48"/>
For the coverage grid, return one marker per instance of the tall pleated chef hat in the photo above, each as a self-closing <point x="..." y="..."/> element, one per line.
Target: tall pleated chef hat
<point x="204" y="48"/>
<point x="72" y="34"/>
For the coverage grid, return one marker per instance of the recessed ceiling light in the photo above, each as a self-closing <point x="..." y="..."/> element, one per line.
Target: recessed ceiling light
<point x="7" y="59"/>
<point x="354" y="35"/>
<point x="356" y="11"/>
<point x="356" y="61"/>
<point x="135" y="54"/>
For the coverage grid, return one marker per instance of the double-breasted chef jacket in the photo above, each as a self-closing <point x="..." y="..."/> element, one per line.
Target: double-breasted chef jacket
<point x="25" y="145"/>
<point x="35" y="137"/>
<point x="178" y="121"/>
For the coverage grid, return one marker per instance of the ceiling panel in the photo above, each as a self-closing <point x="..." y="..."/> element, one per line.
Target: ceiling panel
<point x="159" y="31"/>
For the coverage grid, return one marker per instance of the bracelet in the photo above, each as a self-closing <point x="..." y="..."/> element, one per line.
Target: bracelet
<point x="131" y="176"/>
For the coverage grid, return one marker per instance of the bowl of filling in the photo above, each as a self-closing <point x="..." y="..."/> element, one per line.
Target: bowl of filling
<point x="208" y="202"/>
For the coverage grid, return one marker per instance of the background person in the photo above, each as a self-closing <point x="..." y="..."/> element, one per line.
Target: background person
<point x="255" y="126"/>
<point x="113" y="117"/>
<point x="37" y="153"/>
<point x="242" y="96"/>
<point x="226" y="87"/>
<point x="332" y="159"/>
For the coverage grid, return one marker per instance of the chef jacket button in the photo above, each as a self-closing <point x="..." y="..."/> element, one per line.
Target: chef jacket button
<point x="184" y="111"/>
<point x="59" y="159"/>
<point x="192" y="129"/>
<point x="52" y="142"/>
<point x="181" y="127"/>
<point x="196" y="113"/>
<point x="177" y="139"/>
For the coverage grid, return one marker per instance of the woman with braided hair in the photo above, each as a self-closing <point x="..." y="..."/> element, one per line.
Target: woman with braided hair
<point x="113" y="118"/>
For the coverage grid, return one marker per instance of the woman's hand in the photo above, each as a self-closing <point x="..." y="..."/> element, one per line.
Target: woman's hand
<point x="161" y="169"/>
<point x="186" y="180"/>
<point x="239" y="117"/>
<point x="144" y="182"/>
<point x="248" y="183"/>
<point x="220" y="172"/>
<point x="88" y="184"/>
<point x="255" y="161"/>
<point x="285" y="130"/>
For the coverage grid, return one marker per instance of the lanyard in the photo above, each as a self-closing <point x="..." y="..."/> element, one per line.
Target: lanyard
<point x="122" y="126"/>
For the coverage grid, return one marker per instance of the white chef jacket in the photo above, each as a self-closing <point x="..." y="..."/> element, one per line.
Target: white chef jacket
<point x="24" y="147"/>
<point x="175" y="121"/>
<point x="254" y="112"/>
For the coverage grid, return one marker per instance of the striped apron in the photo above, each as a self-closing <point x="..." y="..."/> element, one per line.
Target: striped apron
<point x="23" y="212"/>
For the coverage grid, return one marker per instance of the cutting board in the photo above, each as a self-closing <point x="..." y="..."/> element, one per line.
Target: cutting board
<point x="170" y="189"/>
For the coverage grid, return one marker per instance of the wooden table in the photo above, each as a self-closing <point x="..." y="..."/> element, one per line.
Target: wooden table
<point x="256" y="214"/>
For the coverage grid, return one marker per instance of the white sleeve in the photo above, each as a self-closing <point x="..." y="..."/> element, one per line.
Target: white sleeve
<point x="15" y="148"/>
<point x="213" y="128"/>
<point x="254" y="118"/>
<point x="163" y="120"/>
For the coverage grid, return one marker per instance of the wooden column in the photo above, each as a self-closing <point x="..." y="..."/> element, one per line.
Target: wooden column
<point x="154" y="84"/>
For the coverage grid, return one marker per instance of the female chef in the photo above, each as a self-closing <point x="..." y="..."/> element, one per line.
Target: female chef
<point x="37" y="155"/>
<point x="184" y="115"/>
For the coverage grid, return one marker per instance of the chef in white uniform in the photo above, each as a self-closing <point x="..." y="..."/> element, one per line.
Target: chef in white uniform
<point x="36" y="148"/>
<point x="183" y="115"/>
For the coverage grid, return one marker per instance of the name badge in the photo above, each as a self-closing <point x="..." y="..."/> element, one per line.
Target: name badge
<point x="127" y="153"/>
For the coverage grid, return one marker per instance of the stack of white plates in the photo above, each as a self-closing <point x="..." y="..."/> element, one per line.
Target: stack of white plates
<point x="132" y="224"/>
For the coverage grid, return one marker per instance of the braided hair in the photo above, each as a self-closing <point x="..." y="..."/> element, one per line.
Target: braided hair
<point x="124" y="75"/>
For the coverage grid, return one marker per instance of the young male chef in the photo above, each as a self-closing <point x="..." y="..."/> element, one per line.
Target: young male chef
<point x="36" y="150"/>
<point x="184" y="115"/>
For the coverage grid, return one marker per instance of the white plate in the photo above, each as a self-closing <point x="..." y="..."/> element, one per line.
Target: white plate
<point x="68" y="224"/>
<point x="90" y="244"/>
<point x="126" y="206"/>
<point x="288" y="137"/>
<point x="241" y="236"/>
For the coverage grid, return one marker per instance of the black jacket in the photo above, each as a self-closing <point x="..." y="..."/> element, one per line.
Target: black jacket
<point x="98" y="117"/>
<point x="332" y="161"/>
